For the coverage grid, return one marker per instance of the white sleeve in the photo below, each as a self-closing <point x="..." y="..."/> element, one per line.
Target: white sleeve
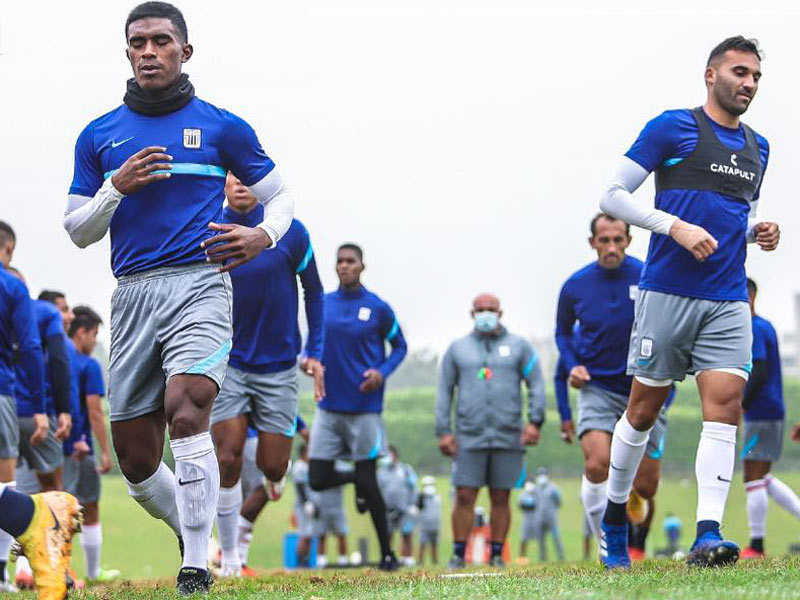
<point x="278" y="205"/>
<point x="87" y="219"/>
<point x="618" y="200"/>
<point x="752" y="221"/>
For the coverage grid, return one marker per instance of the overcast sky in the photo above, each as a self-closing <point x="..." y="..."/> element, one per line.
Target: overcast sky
<point x="464" y="145"/>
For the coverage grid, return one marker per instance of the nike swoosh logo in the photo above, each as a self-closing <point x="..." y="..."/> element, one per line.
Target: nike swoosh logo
<point x="181" y="482"/>
<point x="721" y="479"/>
<point x="57" y="525"/>
<point x="617" y="468"/>
<point x="115" y="144"/>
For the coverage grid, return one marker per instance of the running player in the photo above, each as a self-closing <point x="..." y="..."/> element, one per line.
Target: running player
<point x="398" y="484"/>
<point x="82" y="471"/>
<point x="764" y="414"/>
<point x="692" y="314"/>
<point x="261" y="383"/>
<point x="488" y="367"/>
<point x="348" y="423"/>
<point x="153" y="172"/>
<point x="600" y="299"/>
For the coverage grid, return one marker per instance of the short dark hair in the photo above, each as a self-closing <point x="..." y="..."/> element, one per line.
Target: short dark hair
<point x="602" y="215"/>
<point x="752" y="287"/>
<point x="354" y="247"/>
<point x="159" y="10"/>
<point x="393" y="450"/>
<point x="737" y="42"/>
<point x="6" y="233"/>
<point x="51" y="296"/>
<point x="85" y="318"/>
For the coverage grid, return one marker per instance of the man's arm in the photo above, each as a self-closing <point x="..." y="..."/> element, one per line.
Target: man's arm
<point x="562" y="391"/>
<point x="448" y="375"/>
<point x="757" y="379"/>
<point x="29" y="351"/>
<point x="394" y="336"/>
<point x="532" y="374"/>
<point x="565" y="323"/>
<point x="314" y="300"/>
<point x="60" y="372"/>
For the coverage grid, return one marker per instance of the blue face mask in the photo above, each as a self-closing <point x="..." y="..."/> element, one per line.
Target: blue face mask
<point x="486" y="321"/>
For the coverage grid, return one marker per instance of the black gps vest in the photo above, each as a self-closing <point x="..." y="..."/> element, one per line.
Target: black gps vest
<point x="715" y="167"/>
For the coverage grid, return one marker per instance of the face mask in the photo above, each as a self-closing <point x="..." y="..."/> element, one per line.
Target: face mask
<point x="541" y="479"/>
<point x="486" y="321"/>
<point x="429" y="490"/>
<point x="385" y="461"/>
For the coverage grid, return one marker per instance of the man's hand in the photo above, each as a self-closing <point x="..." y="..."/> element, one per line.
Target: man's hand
<point x="137" y="171"/>
<point x="796" y="432"/>
<point x="695" y="239"/>
<point x="41" y="426"/>
<point x="237" y="244"/>
<point x="447" y="445"/>
<point x="306" y="435"/>
<point x="313" y="368"/>
<point x="578" y="376"/>
<point x="373" y="379"/>
<point x="567" y="431"/>
<point x="106" y="464"/>
<point x="530" y="435"/>
<point x="79" y="450"/>
<point x="64" y="426"/>
<point x="768" y="235"/>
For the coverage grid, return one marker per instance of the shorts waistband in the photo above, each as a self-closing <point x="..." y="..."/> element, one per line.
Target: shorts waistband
<point x="162" y="272"/>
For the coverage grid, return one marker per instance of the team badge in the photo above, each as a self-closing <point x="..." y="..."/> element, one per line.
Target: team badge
<point x="192" y="138"/>
<point x="646" y="350"/>
<point x="504" y="351"/>
<point x="633" y="292"/>
<point x="364" y="313"/>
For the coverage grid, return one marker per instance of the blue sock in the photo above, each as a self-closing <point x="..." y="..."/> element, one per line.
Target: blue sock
<point x="616" y="513"/>
<point x="459" y="548"/>
<point x="497" y="549"/>
<point x="707" y="527"/>
<point x="16" y="512"/>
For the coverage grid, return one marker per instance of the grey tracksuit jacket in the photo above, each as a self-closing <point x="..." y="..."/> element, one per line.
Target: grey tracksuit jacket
<point x="488" y="408"/>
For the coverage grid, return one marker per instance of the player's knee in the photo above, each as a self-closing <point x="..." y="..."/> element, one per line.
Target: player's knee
<point x="596" y="468"/>
<point x="136" y="463"/>
<point x="185" y="423"/>
<point x="274" y="468"/>
<point x="499" y="498"/>
<point x="465" y="497"/>
<point x="646" y="486"/>
<point x="641" y="416"/>
<point x="318" y="474"/>
<point x="230" y="463"/>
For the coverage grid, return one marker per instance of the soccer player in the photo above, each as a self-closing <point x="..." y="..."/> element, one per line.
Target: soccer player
<point x="488" y="367"/>
<point x="764" y="414"/>
<point x="430" y="519"/>
<point x="81" y="471"/>
<point x="398" y="484"/>
<point x="347" y="423"/>
<point x="43" y="524"/>
<point x="600" y="299"/>
<point x="261" y="383"/>
<point x="304" y="509"/>
<point x="331" y="519"/>
<point x="692" y="314"/>
<point x="153" y="172"/>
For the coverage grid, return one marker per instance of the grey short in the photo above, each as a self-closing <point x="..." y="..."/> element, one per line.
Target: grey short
<point x="270" y="399"/>
<point x="252" y="477"/>
<point x="499" y="469"/>
<point x="81" y="479"/>
<point x="305" y="523"/>
<point x="599" y="409"/>
<point x="675" y="335"/>
<point x="429" y="536"/>
<point x="165" y="322"/>
<point x="333" y="522"/>
<point x="27" y="482"/>
<point x="44" y="457"/>
<point x="530" y="530"/>
<point x="347" y="436"/>
<point x="763" y="440"/>
<point x="401" y="522"/>
<point x="9" y="428"/>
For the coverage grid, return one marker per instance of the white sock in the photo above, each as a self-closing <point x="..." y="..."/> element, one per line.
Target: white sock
<point x="716" y="454"/>
<point x="593" y="496"/>
<point x="756" y="507"/>
<point x="196" y="494"/>
<point x="92" y="542"/>
<point x="23" y="566"/>
<point x="228" y="508"/>
<point x="245" y="537"/>
<point x="783" y="495"/>
<point x="156" y="495"/>
<point x="627" y="449"/>
<point x="5" y="538"/>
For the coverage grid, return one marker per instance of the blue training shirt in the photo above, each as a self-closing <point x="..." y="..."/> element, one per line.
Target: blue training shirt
<point x="48" y="324"/>
<point x="266" y="336"/>
<point x="163" y="224"/>
<point x="601" y="301"/>
<point x="768" y="402"/>
<point x="87" y="380"/>
<point x="357" y="326"/>
<point x="19" y="342"/>
<point x="560" y="381"/>
<point x="664" y="142"/>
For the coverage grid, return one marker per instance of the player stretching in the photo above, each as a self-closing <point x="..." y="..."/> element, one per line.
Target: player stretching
<point x="600" y="297"/>
<point x="348" y="422"/>
<point x="261" y="384"/>
<point x="763" y="431"/>
<point x="692" y="314"/>
<point x="153" y="172"/>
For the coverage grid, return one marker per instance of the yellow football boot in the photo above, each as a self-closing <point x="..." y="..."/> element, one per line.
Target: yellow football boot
<point x="638" y="508"/>
<point x="47" y="542"/>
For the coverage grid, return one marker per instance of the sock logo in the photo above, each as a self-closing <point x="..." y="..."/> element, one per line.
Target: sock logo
<point x="617" y="468"/>
<point x="720" y="478"/>
<point x="181" y="482"/>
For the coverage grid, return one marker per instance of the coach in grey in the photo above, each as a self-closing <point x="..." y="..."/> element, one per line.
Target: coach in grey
<point x="487" y="367"/>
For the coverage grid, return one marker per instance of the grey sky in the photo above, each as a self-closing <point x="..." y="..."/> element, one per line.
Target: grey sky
<point x="464" y="145"/>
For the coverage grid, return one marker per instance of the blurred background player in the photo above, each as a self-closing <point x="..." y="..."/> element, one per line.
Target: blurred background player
<point x="348" y="422"/>
<point x="304" y="511"/>
<point x="487" y="367"/>
<point x="331" y="519"/>
<point x="527" y="506"/>
<point x="398" y="484"/>
<point x="429" y="519"/>
<point x="548" y="503"/>
<point x="260" y="387"/>
<point x="764" y="415"/>
<point x="82" y="471"/>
